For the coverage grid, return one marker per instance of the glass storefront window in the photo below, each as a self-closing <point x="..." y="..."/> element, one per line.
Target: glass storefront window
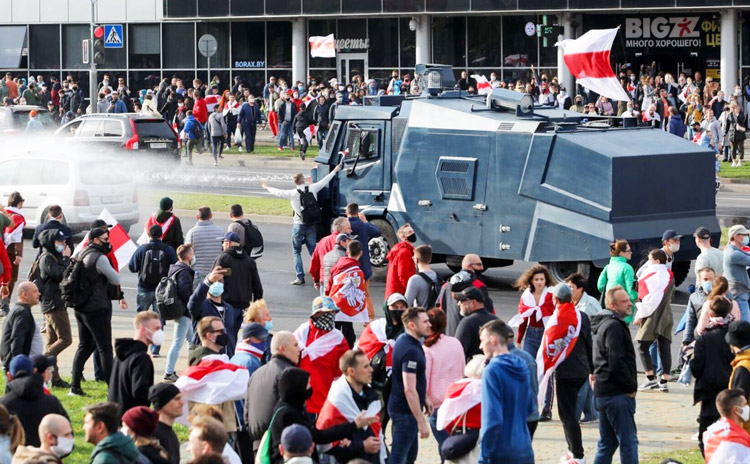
<point x="320" y="6"/>
<point x="138" y="80"/>
<point x="73" y="35"/>
<point x="547" y="49"/>
<point x="322" y="28"/>
<point x="279" y="44"/>
<point x="175" y="53"/>
<point x="485" y="39"/>
<point x="449" y="40"/>
<point x="144" y="46"/>
<point x="42" y="55"/>
<point x="223" y="74"/>
<point x="519" y="49"/>
<point x="283" y="7"/>
<point x="403" y="5"/>
<point x="247" y="7"/>
<point x="483" y="5"/>
<point x="448" y="5"/>
<point x="181" y="8"/>
<point x="213" y="8"/>
<point x="185" y="75"/>
<point x="254" y="80"/>
<point x="323" y="75"/>
<point x="384" y="43"/>
<point x="221" y="32"/>
<point x="248" y="45"/>
<point x="407" y="39"/>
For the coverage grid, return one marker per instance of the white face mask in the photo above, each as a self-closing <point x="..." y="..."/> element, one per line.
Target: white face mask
<point x="157" y="338"/>
<point x="63" y="447"/>
<point x="674" y="247"/>
<point x="744" y="413"/>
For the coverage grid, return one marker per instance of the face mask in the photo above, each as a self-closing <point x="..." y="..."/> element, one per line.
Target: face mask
<point x="107" y="247"/>
<point x="180" y="105"/>
<point x="745" y="240"/>
<point x="744" y="413"/>
<point x="59" y="248"/>
<point x="411" y="238"/>
<point x="157" y="338"/>
<point x="268" y="325"/>
<point x="192" y="261"/>
<point x="308" y="393"/>
<point x="216" y="289"/>
<point x="63" y="447"/>
<point x="674" y="247"/>
<point x="222" y="339"/>
<point x="706" y="286"/>
<point x="261" y="346"/>
<point x="324" y="321"/>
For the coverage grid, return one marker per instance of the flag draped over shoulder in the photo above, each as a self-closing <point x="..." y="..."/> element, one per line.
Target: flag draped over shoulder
<point x="165" y="226"/>
<point x="463" y="398"/>
<point x="123" y="247"/>
<point x="726" y="442"/>
<point x="587" y="58"/>
<point x="559" y="339"/>
<point x="653" y="280"/>
<point x="213" y="381"/>
<point x="373" y="339"/>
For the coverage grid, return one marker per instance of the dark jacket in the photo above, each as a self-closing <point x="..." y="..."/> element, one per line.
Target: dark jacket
<point x="264" y="383"/>
<point x="614" y="356"/>
<point x="18" y="330"/>
<point x="195" y="356"/>
<point x="243" y="286"/>
<point x="249" y="115"/>
<point x="468" y="331"/>
<point x="580" y="363"/>
<point x="365" y="232"/>
<point x="449" y="304"/>
<point x="184" y="278"/>
<point x="200" y="306"/>
<point x="291" y="410"/>
<point x="320" y="116"/>
<point x="132" y="374"/>
<point x="99" y="298"/>
<point x="356" y="448"/>
<point x="52" y="224"/>
<point x="282" y="112"/>
<point x="52" y="265"/>
<point x="26" y="399"/>
<point x="303" y="119"/>
<point x="156" y="454"/>
<point x="115" y="449"/>
<point x="136" y="261"/>
<point x="174" y="236"/>
<point x="711" y="366"/>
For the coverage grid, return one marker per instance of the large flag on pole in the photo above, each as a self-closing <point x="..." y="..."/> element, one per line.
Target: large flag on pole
<point x="587" y="58"/>
<point x="122" y="246"/>
<point x="483" y="85"/>
<point x="323" y="46"/>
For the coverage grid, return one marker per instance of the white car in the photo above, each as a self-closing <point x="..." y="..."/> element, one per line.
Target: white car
<point x="82" y="185"/>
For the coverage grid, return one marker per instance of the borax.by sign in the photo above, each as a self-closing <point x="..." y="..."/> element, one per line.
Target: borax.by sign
<point x="677" y="31"/>
<point x="352" y="44"/>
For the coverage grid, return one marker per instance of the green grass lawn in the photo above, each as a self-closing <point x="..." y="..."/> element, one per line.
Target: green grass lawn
<point x="687" y="456"/>
<point x="742" y="172"/>
<point x="193" y="201"/>
<point x="273" y="150"/>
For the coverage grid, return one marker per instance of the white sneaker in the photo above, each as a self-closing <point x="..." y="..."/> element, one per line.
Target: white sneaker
<point x="649" y="385"/>
<point x="569" y="459"/>
<point x="734" y="164"/>
<point x="739" y="163"/>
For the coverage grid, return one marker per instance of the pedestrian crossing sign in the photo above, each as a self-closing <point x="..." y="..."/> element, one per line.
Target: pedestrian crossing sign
<point x="113" y="37"/>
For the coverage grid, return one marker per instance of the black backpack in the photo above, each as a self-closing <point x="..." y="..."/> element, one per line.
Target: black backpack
<point x="154" y="265"/>
<point x="170" y="306"/>
<point x="75" y="287"/>
<point x="435" y="286"/>
<point x="311" y="213"/>
<point x="253" y="239"/>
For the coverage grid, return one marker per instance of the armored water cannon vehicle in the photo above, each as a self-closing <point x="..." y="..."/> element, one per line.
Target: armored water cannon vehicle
<point x="499" y="176"/>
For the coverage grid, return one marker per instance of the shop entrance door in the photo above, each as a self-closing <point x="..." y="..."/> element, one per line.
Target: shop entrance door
<point x="351" y="64"/>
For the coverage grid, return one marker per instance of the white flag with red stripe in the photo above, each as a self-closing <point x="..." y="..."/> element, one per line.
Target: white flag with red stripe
<point x="587" y="58"/>
<point x="726" y="442"/>
<point x="559" y="339"/>
<point x="373" y="339"/>
<point x="460" y="398"/>
<point x="653" y="280"/>
<point x="214" y="380"/>
<point x="483" y="85"/>
<point x="320" y="346"/>
<point x="122" y="246"/>
<point x="323" y="46"/>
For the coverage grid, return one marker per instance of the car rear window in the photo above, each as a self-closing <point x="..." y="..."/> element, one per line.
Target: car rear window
<point x="104" y="173"/>
<point x="21" y="118"/>
<point x="154" y="128"/>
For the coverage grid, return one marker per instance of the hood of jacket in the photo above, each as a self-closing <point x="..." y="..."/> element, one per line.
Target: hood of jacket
<point x="598" y="319"/>
<point x="513" y="367"/>
<point x="400" y="247"/>
<point x="293" y="387"/>
<point x="124" y="347"/>
<point x="237" y="252"/>
<point x="119" y="444"/>
<point x="47" y="239"/>
<point x="31" y="453"/>
<point x="29" y="388"/>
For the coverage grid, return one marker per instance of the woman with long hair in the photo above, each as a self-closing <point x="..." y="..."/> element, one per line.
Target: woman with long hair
<point x="619" y="272"/>
<point x="140" y="423"/>
<point x="11" y="435"/>
<point x="719" y="289"/>
<point x="445" y="363"/>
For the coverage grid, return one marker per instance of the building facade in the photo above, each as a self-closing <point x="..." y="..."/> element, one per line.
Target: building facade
<point x="260" y="38"/>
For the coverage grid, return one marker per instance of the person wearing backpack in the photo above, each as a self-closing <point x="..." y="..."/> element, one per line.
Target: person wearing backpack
<point x="183" y="275"/>
<point x="50" y="269"/>
<point x="241" y="280"/>
<point x="151" y="262"/>
<point x="303" y="230"/>
<point x="423" y="288"/>
<point x="251" y="240"/>
<point x="365" y="232"/>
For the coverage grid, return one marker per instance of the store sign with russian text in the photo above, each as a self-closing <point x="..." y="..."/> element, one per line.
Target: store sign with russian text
<point x="672" y="31"/>
<point x="346" y="45"/>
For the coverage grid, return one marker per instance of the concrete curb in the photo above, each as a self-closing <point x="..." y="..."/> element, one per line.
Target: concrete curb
<point x="262" y="218"/>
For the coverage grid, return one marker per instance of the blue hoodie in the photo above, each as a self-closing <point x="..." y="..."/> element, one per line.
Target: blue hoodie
<point x="506" y="402"/>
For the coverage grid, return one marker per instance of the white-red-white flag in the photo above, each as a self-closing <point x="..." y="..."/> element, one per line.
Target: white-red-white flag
<point x="483" y="85"/>
<point x="373" y="339"/>
<point x="653" y="280"/>
<point x="122" y="246"/>
<point x="214" y="380"/>
<point x="726" y="442"/>
<point x="559" y="339"/>
<point x="323" y="46"/>
<point x="587" y="58"/>
<point x="462" y="397"/>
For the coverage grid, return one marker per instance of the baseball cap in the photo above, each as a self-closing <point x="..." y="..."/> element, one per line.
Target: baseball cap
<point x="231" y="237"/>
<point x="470" y="293"/>
<point x="21" y="366"/>
<point x="702" y="232"/>
<point x="96" y="233"/>
<point x="296" y="439"/>
<point x="323" y="303"/>
<point x="344" y="236"/>
<point x="395" y="298"/>
<point x="254" y="329"/>
<point x="100" y="223"/>
<point x="562" y="292"/>
<point x="669" y="234"/>
<point x="738" y="229"/>
<point x="60" y="236"/>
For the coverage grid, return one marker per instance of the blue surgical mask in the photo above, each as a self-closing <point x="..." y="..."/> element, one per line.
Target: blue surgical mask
<point x="269" y="325"/>
<point x="216" y="289"/>
<point x="745" y="240"/>
<point x="706" y="286"/>
<point x="59" y="248"/>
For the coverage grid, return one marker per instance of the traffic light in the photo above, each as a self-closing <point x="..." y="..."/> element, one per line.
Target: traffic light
<point x="99" y="45"/>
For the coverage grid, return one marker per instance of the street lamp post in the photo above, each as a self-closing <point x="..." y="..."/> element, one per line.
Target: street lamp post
<point x="92" y="64"/>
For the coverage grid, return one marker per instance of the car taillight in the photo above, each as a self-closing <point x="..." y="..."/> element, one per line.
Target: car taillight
<point x="81" y="198"/>
<point x="132" y="143"/>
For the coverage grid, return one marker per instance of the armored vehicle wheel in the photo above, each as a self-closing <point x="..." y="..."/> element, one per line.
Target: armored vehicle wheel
<point x="380" y="246"/>
<point x="561" y="270"/>
<point x="680" y="269"/>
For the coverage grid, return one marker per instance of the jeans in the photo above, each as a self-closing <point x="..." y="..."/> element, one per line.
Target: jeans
<point x="405" y="442"/>
<point x="218" y="147"/>
<point x="302" y="140"/>
<point x="94" y="330"/>
<point x="616" y="428"/>
<point x="321" y="136"/>
<point x="146" y="301"/>
<point x="286" y="131"/>
<point x="586" y="403"/>
<point x="744" y="307"/>
<point x="653" y="353"/>
<point x="183" y="330"/>
<point x="302" y="233"/>
<point x="440" y="435"/>
<point x="249" y="137"/>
